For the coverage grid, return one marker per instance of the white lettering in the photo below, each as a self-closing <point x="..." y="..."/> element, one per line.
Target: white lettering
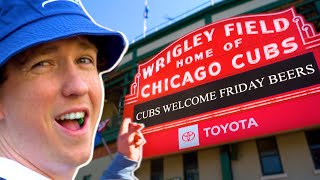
<point x="233" y="126"/>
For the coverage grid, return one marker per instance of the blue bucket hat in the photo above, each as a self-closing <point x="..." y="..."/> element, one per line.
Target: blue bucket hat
<point x="27" y="23"/>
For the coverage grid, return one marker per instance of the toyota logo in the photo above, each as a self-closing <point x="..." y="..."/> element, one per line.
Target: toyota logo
<point x="188" y="136"/>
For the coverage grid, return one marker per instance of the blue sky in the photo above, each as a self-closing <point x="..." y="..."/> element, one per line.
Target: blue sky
<point x="127" y="15"/>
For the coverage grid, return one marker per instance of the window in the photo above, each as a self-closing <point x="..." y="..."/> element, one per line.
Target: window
<point x="313" y="138"/>
<point x="112" y="109"/>
<point x="190" y="166"/>
<point x="157" y="169"/>
<point x="86" y="177"/>
<point x="269" y="156"/>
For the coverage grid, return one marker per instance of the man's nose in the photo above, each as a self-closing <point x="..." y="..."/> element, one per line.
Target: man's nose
<point x="74" y="83"/>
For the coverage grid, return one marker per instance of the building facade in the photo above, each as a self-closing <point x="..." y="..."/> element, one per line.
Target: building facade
<point x="291" y="155"/>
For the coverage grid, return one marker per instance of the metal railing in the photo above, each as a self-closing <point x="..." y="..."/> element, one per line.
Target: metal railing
<point x="174" y="19"/>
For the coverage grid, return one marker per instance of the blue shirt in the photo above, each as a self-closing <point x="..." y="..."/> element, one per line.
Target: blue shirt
<point x="120" y="168"/>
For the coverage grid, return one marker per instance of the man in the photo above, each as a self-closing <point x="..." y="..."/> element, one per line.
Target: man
<point x="51" y="53"/>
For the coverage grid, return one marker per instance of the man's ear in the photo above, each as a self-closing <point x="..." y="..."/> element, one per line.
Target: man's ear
<point x="1" y="112"/>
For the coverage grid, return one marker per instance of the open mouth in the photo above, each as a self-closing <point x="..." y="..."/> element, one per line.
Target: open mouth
<point x="72" y="121"/>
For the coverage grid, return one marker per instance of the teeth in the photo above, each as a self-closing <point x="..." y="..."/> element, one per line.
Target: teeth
<point x="72" y="116"/>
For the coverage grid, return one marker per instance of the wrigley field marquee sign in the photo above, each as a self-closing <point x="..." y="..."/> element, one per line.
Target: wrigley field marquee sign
<point x="235" y="79"/>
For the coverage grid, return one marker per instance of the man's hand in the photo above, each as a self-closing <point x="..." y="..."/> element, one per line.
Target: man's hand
<point x="130" y="139"/>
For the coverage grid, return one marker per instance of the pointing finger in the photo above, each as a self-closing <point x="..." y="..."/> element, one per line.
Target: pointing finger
<point x="136" y="127"/>
<point x="125" y="126"/>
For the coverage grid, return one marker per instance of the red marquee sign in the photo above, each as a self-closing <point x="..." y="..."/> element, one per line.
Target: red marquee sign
<point x="239" y="78"/>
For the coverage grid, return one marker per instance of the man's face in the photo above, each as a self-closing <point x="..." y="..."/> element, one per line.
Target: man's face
<point x="45" y="97"/>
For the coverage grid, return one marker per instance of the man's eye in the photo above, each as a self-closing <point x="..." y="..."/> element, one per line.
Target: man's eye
<point x="85" y="60"/>
<point x="41" y="64"/>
